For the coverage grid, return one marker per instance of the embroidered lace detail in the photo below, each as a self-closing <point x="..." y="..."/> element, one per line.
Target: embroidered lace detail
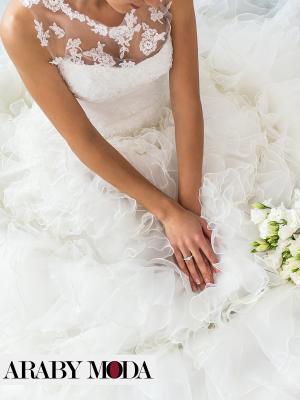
<point x="99" y="56"/>
<point x="124" y="34"/>
<point x="142" y="32"/>
<point x="156" y="14"/>
<point x="59" y="32"/>
<point x="42" y="35"/>
<point x="56" y="60"/>
<point x="53" y="5"/>
<point x="75" y="51"/>
<point x="97" y="28"/>
<point x="150" y="38"/>
<point x="127" y="64"/>
<point x="30" y="3"/>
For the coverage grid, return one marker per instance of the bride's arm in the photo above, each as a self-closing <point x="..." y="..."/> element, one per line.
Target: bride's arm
<point x="49" y="90"/>
<point x="51" y="93"/>
<point x="186" y="104"/>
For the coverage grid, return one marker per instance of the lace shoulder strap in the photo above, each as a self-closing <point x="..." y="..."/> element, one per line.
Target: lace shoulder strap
<point x="70" y="34"/>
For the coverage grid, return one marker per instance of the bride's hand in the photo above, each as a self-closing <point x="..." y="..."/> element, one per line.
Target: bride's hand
<point x="189" y="235"/>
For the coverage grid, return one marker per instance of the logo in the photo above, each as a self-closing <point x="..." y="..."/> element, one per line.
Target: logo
<point x="128" y="370"/>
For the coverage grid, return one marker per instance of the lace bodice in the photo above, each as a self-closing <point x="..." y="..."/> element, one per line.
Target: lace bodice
<point x="70" y="34"/>
<point x="119" y="75"/>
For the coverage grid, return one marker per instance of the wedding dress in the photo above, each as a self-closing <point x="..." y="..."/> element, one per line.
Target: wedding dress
<point x="84" y="267"/>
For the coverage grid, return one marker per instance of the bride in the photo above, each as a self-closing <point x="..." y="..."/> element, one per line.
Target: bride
<point x="120" y="230"/>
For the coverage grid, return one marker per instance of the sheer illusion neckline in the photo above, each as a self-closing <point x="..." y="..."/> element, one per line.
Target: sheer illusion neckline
<point x="138" y="36"/>
<point x="95" y="20"/>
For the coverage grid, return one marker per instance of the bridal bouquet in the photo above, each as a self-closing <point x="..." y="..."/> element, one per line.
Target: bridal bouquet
<point x="279" y="237"/>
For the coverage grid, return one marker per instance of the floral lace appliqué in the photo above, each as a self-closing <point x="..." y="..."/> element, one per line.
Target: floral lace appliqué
<point x="30" y="3"/>
<point x="131" y="31"/>
<point x="42" y="35"/>
<point x="156" y="14"/>
<point x="53" y="5"/>
<point x="59" y="32"/>
<point x="123" y="34"/>
<point x="99" y="56"/>
<point x="75" y="51"/>
<point x="150" y="38"/>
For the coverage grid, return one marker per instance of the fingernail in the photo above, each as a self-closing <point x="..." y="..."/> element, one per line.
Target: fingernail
<point x="198" y="282"/>
<point x="210" y="285"/>
<point x="216" y="265"/>
<point x="218" y="270"/>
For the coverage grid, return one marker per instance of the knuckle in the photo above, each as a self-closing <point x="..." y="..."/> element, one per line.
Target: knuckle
<point x="180" y="243"/>
<point x="176" y="251"/>
<point x="174" y="245"/>
<point x="198" y="237"/>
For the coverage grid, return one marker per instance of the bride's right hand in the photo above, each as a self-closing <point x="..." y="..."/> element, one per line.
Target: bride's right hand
<point x="187" y="237"/>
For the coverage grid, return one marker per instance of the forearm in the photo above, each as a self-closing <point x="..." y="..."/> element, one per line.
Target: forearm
<point x="189" y="145"/>
<point x="186" y="104"/>
<point x="102" y="158"/>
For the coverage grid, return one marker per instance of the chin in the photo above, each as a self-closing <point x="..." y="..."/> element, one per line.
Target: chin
<point x="125" y="8"/>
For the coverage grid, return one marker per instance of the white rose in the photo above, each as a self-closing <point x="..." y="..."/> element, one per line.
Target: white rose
<point x="290" y="266"/>
<point x="295" y="247"/>
<point x="293" y="219"/>
<point x="273" y="260"/>
<point x="278" y="213"/>
<point x="283" y="244"/>
<point x="264" y="229"/>
<point x="285" y="232"/>
<point x="295" y="277"/>
<point x="287" y="269"/>
<point x="268" y="203"/>
<point x="258" y="215"/>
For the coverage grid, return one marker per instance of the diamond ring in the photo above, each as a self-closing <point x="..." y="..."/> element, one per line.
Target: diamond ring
<point x="188" y="258"/>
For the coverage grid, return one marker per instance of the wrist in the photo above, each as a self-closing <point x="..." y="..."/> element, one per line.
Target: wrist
<point x="167" y="207"/>
<point x="191" y="202"/>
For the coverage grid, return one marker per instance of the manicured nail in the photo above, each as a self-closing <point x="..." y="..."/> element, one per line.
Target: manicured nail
<point x="218" y="270"/>
<point x="217" y="267"/>
<point x="210" y="285"/>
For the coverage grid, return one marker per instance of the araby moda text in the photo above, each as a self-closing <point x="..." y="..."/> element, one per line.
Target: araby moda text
<point x="45" y="370"/>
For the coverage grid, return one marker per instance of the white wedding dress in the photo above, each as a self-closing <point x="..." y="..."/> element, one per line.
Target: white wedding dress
<point x="84" y="267"/>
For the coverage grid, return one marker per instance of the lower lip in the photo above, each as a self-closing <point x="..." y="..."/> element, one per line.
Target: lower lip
<point x="134" y="6"/>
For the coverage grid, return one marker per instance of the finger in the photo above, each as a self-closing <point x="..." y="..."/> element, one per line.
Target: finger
<point x="206" y="247"/>
<point x="193" y="284"/>
<point x="208" y="266"/>
<point x="206" y="230"/>
<point x="182" y="265"/>
<point x="180" y="261"/>
<point x="203" y="266"/>
<point x="208" y="234"/>
<point x="193" y="270"/>
<point x="215" y="267"/>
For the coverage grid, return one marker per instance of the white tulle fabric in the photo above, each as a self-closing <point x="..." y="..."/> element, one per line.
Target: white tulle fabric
<point x="84" y="267"/>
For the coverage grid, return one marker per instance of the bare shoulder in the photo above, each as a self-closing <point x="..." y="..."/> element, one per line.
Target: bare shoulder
<point x="182" y="10"/>
<point x="18" y="34"/>
<point x="14" y="22"/>
<point x="183" y="24"/>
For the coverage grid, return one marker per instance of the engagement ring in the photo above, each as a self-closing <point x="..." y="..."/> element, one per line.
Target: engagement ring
<point x="188" y="258"/>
